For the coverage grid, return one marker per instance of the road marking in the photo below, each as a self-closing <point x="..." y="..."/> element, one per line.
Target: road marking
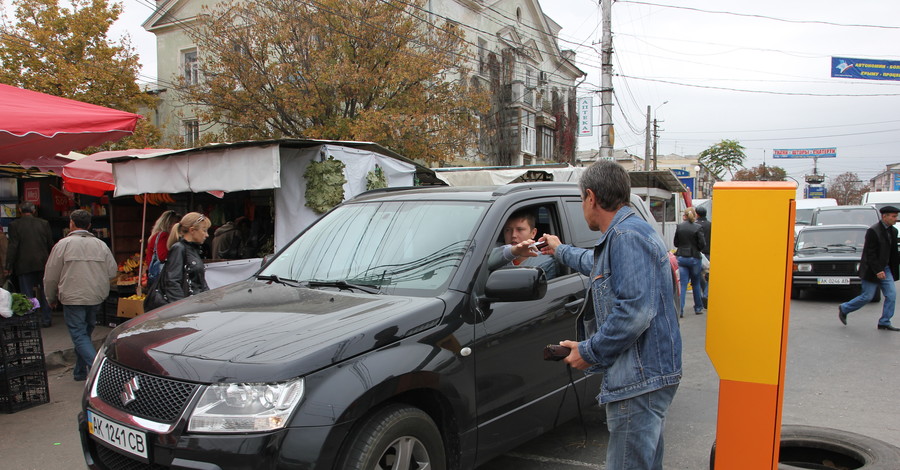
<point x="540" y="458"/>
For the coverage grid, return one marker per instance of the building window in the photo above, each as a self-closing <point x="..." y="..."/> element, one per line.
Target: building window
<point x="190" y="66"/>
<point x="191" y="132"/>
<point x="546" y="143"/>
<point x="528" y="97"/>
<point x="529" y="137"/>
<point x="482" y="56"/>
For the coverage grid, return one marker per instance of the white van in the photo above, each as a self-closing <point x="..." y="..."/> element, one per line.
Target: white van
<point x="805" y="208"/>
<point x="880" y="199"/>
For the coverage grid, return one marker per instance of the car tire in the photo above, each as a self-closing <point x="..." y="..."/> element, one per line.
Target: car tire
<point x="796" y="293"/>
<point x="377" y="440"/>
<point x="814" y="447"/>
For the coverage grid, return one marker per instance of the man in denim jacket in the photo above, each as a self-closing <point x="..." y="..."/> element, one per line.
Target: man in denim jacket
<point x="633" y="337"/>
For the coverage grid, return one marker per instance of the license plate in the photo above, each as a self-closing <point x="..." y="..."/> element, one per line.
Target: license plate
<point x="842" y="281"/>
<point x="122" y="437"/>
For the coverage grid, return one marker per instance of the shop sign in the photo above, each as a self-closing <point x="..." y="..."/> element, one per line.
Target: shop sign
<point x="867" y="69"/>
<point x="585" y="116"/>
<point x="32" y="192"/>
<point x="829" y="152"/>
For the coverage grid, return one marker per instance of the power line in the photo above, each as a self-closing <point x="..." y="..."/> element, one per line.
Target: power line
<point x="786" y="93"/>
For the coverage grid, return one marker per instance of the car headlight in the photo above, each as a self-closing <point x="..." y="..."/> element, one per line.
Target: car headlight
<point x="246" y="407"/>
<point x="803" y="267"/>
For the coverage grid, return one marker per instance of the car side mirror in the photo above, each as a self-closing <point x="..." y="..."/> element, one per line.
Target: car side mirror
<point x="515" y="284"/>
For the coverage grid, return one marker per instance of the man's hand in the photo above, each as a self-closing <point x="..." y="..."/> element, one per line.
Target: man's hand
<point x="523" y="250"/>
<point x="880" y="275"/>
<point x="574" y="358"/>
<point x="552" y="243"/>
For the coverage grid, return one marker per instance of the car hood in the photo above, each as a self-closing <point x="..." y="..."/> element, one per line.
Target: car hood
<point x="254" y="331"/>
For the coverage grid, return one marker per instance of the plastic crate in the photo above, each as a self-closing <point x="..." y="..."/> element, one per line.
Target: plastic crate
<point x="19" y="327"/>
<point x="23" y="389"/>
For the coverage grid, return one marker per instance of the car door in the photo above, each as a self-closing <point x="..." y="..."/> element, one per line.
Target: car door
<point x="516" y="389"/>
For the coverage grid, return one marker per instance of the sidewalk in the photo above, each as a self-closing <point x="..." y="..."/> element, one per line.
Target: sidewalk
<point x="58" y="349"/>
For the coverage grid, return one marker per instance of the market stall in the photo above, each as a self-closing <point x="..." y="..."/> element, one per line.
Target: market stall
<point x="280" y="166"/>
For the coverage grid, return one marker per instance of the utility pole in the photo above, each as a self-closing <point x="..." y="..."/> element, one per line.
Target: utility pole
<point x="647" y="142"/>
<point x="655" y="141"/>
<point x="606" y="131"/>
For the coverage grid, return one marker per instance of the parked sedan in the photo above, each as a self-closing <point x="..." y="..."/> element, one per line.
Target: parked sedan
<point x="827" y="257"/>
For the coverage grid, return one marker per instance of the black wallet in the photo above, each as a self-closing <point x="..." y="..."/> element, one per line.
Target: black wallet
<point x="555" y="352"/>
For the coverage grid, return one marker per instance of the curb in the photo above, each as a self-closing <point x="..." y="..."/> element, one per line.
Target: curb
<point x="66" y="357"/>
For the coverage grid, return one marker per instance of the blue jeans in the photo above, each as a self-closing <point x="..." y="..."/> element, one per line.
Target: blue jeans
<point x="691" y="269"/>
<point x="27" y="283"/>
<point x="888" y="291"/>
<point x="80" y="320"/>
<point x="636" y="430"/>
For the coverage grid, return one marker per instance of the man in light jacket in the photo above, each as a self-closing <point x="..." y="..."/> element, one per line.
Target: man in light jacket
<point x="78" y="275"/>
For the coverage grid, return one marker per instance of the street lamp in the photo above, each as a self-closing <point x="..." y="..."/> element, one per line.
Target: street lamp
<point x="696" y="179"/>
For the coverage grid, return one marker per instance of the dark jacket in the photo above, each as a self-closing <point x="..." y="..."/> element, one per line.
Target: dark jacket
<point x="185" y="271"/>
<point x="879" y="250"/>
<point x="706" y="228"/>
<point x="689" y="241"/>
<point x="30" y="243"/>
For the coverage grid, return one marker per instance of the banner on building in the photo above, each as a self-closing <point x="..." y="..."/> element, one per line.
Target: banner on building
<point x="585" y="116"/>
<point x="868" y="69"/>
<point x="829" y="152"/>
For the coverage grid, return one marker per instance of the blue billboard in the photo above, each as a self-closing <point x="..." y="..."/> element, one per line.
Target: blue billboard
<point x="867" y="69"/>
<point x="816" y="192"/>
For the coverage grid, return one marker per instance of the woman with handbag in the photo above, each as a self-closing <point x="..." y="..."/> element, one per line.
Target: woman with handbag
<point x="184" y="273"/>
<point x="157" y="244"/>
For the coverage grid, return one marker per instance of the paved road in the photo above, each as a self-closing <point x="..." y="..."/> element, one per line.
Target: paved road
<point x="839" y="377"/>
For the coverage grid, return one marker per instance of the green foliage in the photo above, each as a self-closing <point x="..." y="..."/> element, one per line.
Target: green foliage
<point x="723" y="157"/>
<point x="363" y="70"/>
<point x="375" y="179"/>
<point x="762" y="172"/>
<point x="324" y="184"/>
<point x="62" y="49"/>
<point x="21" y="305"/>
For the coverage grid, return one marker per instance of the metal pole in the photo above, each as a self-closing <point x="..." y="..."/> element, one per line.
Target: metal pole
<point x="647" y="146"/>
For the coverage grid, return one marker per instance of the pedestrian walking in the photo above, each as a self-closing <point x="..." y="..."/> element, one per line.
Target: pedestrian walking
<point x="78" y="274"/>
<point x="631" y="335"/>
<point x="29" y="246"/>
<point x="878" y="269"/>
<point x="689" y="246"/>
<point x="706" y="228"/>
<point x="185" y="273"/>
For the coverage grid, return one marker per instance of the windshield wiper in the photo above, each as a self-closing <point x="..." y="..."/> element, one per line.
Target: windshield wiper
<point x="341" y="284"/>
<point x="275" y="278"/>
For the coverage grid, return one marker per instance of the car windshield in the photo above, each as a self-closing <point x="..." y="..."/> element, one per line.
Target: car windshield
<point x="832" y="240"/>
<point x="803" y="216"/>
<point x="864" y="216"/>
<point x="388" y="247"/>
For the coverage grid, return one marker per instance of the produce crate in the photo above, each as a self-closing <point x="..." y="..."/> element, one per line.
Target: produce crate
<point x="16" y="328"/>
<point x="23" y="388"/>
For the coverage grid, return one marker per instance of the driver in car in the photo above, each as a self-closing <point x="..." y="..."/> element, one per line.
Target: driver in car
<point x="519" y="233"/>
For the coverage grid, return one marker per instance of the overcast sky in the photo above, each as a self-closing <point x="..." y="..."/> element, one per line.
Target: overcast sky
<point x="756" y="72"/>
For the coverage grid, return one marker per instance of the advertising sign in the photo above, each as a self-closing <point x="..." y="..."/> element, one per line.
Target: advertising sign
<point x="815" y="192"/>
<point x="896" y="182"/>
<point x="585" y="116"/>
<point x="688" y="183"/>
<point x="868" y="69"/>
<point x="830" y="152"/>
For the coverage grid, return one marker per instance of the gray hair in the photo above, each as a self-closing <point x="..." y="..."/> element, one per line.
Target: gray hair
<point x="610" y="184"/>
<point x="27" y="207"/>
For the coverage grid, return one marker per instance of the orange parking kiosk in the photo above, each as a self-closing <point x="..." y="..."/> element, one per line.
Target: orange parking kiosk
<point x="747" y="324"/>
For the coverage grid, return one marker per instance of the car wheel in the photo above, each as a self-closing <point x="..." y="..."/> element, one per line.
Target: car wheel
<point x="396" y="437"/>
<point x="796" y="293"/>
<point x="826" y="448"/>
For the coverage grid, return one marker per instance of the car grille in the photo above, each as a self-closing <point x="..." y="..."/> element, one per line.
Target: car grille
<point x="835" y="268"/>
<point x="113" y="460"/>
<point x="159" y="399"/>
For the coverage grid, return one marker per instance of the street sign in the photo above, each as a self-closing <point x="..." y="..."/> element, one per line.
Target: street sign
<point x="585" y="116"/>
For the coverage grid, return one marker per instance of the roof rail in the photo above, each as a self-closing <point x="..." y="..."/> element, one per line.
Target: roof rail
<point x="516" y="187"/>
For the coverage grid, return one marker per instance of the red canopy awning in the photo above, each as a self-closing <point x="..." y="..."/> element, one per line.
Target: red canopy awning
<point x="92" y="176"/>
<point x="34" y="124"/>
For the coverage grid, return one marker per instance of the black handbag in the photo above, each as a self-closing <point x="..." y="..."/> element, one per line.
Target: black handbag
<point x="155" y="296"/>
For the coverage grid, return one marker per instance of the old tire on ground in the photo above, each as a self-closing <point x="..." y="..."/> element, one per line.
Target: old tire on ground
<point x="811" y="447"/>
<point x="397" y="436"/>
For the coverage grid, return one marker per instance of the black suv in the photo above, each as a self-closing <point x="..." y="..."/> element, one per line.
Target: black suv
<point x="377" y="339"/>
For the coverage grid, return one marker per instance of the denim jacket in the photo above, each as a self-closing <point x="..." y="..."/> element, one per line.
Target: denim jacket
<point x="633" y="338"/>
